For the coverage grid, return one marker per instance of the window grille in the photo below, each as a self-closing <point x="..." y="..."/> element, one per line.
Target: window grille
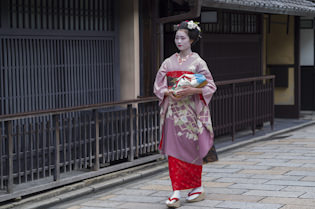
<point x="57" y="53"/>
<point x="86" y="15"/>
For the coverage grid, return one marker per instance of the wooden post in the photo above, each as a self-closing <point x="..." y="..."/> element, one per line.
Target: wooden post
<point x="10" y="155"/>
<point x="97" y="142"/>
<point x="233" y="111"/>
<point x="255" y="108"/>
<point x="131" y="151"/>
<point x="57" y="151"/>
<point x="273" y="103"/>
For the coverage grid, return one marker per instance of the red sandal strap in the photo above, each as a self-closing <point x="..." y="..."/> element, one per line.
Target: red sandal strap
<point x="174" y="198"/>
<point x="190" y="194"/>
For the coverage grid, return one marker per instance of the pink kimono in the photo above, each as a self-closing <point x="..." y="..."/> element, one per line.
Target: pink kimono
<point x="186" y="127"/>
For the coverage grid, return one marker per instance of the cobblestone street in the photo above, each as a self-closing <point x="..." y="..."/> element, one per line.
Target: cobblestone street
<point x="271" y="174"/>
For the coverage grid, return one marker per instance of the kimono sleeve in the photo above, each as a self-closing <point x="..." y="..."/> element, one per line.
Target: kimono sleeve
<point x="209" y="89"/>
<point x="160" y="84"/>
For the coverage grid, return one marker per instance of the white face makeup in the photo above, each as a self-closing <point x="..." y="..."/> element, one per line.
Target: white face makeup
<point x="182" y="40"/>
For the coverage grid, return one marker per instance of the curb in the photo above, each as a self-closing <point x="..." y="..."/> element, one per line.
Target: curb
<point x="88" y="186"/>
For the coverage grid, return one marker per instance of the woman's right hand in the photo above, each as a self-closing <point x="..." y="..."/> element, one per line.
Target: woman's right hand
<point x="170" y="94"/>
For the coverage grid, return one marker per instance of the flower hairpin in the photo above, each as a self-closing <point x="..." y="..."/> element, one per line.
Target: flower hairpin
<point x="190" y="25"/>
<point x="193" y="25"/>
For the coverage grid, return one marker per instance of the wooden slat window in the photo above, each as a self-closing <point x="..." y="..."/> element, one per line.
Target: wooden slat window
<point x="38" y="73"/>
<point x="69" y="15"/>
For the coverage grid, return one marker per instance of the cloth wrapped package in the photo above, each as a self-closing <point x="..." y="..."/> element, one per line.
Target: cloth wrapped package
<point x="186" y="79"/>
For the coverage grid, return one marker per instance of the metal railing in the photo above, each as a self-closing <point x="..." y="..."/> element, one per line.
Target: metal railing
<point x="56" y="147"/>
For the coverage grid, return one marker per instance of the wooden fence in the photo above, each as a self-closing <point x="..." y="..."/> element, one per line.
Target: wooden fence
<point x="46" y="149"/>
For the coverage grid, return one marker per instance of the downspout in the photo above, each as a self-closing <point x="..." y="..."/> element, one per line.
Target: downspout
<point x="194" y="12"/>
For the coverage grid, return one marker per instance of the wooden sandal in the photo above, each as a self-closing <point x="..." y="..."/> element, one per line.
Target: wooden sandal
<point x="200" y="197"/>
<point x="176" y="204"/>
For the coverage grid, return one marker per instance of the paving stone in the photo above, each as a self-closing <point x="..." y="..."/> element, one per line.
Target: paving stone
<point x="254" y="167"/>
<point x="75" y="207"/>
<point x="135" y="198"/>
<point x="242" y="180"/>
<point x="161" y="182"/>
<point x="101" y="203"/>
<point x="292" y="183"/>
<point x="234" y="197"/>
<point x="166" y="194"/>
<point x="268" y="193"/>
<point x="216" y="184"/>
<point x="106" y="197"/>
<point x="294" y="168"/>
<point x="236" y="163"/>
<point x="228" y="175"/>
<point x="248" y="153"/>
<point x="266" y="160"/>
<point x="277" y="177"/>
<point x="87" y="207"/>
<point x="280" y="164"/>
<point x="308" y="178"/>
<point x="211" y="190"/>
<point x="271" y="171"/>
<point x="132" y="205"/>
<point x="134" y="191"/>
<point x="157" y="187"/>
<point x="222" y="170"/>
<point x="248" y="205"/>
<point x="299" y="188"/>
<point x="310" y="195"/>
<point x="297" y="207"/>
<point x="289" y="201"/>
<point x="257" y="187"/>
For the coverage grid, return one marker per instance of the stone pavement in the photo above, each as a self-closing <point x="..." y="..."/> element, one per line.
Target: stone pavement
<point x="269" y="174"/>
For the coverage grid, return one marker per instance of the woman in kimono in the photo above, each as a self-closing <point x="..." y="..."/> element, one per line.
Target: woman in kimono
<point x="186" y="127"/>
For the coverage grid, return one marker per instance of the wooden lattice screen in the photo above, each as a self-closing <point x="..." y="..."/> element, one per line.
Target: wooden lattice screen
<point x="57" y="53"/>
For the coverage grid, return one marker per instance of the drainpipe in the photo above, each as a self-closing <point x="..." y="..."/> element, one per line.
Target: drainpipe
<point x="193" y="13"/>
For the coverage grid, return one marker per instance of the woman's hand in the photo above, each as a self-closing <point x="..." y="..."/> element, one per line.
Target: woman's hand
<point x="170" y="94"/>
<point x="188" y="91"/>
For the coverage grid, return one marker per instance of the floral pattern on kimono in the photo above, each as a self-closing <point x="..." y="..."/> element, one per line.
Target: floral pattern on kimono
<point x="185" y="124"/>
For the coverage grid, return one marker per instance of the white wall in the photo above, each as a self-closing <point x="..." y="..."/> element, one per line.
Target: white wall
<point x="129" y="49"/>
<point x="306" y="46"/>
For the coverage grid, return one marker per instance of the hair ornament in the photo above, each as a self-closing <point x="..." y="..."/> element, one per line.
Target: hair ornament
<point x="193" y="25"/>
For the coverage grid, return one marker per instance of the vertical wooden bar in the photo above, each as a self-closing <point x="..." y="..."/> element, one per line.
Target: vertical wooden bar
<point x="48" y="130"/>
<point x="97" y="142"/>
<point x="69" y="143"/>
<point x="107" y="119"/>
<point x="121" y="132"/>
<point x="272" y="103"/>
<point x="255" y="108"/>
<point x="112" y="136"/>
<point x="90" y="121"/>
<point x="1" y="160"/>
<point x="37" y="148"/>
<point x="64" y="142"/>
<point x="131" y="132"/>
<point x="75" y="137"/>
<point x="25" y="152"/>
<point x="81" y="129"/>
<point x="56" y="119"/>
<point x="30" y="132"/>
<point x="233" y="111"/>
<point x="10" y="155"/>
<point x="18" y="152"/>
<point x="126" y="131"/>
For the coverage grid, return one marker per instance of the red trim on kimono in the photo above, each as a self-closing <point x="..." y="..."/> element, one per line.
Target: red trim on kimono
<point x="184" y="175"/>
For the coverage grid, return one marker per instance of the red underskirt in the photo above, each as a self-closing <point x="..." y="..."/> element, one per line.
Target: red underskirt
<point x="184" y="175"/>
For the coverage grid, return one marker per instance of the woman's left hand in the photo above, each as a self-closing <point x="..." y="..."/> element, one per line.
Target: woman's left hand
<point x="188" y="91"/>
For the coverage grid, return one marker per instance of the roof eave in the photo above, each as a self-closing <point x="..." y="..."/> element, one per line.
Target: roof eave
<point x="258" y="9"/>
